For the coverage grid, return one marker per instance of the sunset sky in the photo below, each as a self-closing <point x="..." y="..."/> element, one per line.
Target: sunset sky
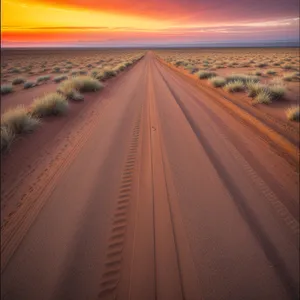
<point x="149" y="22"/>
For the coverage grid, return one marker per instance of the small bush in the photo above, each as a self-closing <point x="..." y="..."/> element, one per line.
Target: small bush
<point x="43" y="78"/>
<point x="6" y="89"/>
<point x="277" y="91"/>
<point x="29" y="84"/>
<point x="242" y="77"/>
<point x="56" y="69"/>
<point x="258" y="73"/>
<point x="255" y="88"/>
<point x="261" y="65"/>
<point x="206" y="74"/>
<point x="7" y="137"/>
<point x="263" y="97"/>
<point x="290" y="76"/>
<point x="18" y="80"/>
<point x="19" y="120"/>
<point x="293" y="113"/>
<point x="234" y="86"/>
<point x="95" y="72"/>
<point x="60" y="78"/>
<point x="287" y="67"/>
<point x="271" y="72"/>
<point x="74" y="72"/>
<point x="15" y="70"/>
<point x="218" y="81"/>
<point x="50" y="104"/>
<point x="106" y="74"/>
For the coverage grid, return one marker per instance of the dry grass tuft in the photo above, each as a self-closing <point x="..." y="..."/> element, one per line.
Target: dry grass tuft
<point x="6" y="89"/>
<point x="293" y="113"/>
<point x="19" y="120"/>
<point x="234" y="86"/>
<point x="50" y="104"/>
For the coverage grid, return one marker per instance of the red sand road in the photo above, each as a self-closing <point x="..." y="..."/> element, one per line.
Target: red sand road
<point x="156" y="193"/>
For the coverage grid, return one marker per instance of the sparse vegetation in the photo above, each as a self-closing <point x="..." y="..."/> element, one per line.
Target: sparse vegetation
<point x="29" y="84"/>
<point x="218" y="81"/>
<point x="234" y="86"/>
<point x="43" y="78"/>
<point x="263" y="97"/>
<point x="6" y="89"/>
<point x="18" y="80"/>
<point x="19" y="120"/>
<point x="60" y="78"/>
<point x="293" y="113"/>
<point x="7" y="137"/>
<point x="206" y="74"/>
<point x="50" y="104"/>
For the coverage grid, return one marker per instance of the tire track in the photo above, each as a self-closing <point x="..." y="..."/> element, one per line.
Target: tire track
<point x="114" y="256"/>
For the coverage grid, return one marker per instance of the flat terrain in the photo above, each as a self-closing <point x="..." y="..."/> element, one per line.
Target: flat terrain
<point x="150" y="189"/>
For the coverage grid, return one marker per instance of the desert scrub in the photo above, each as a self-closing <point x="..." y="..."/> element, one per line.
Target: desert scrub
<point x="263" y="97"/>
<point x="261" y="65"/>
<point x="18" y="80"/>
<point x="255" y="88"/>
<point x="49" y="104"/>
<point x="290" y="76"/>
<point x="287" y="67"/>
<point x="19" y="120"/>
<point x="206" y="74"/>
<point x="271" y="72"/>
<point x="7" y="137"/>
<point x="60" y="78"/>
<point x="258" y="73"/>
<point x="6" y="89"/>
<point x="234" y="86"/>
<point x="106" y="74"/>
<point x="56" y="69"/>
<point x="242" y="77"/>
<point x="218" y="81"/>
<point x="71" y="88"/>
<point x="74" y="72"/>
<point x="293" y="113"/>
<point x="43" y="78"/>
<point x="95" y="72"/>
<point x="277" y="91"/>
<point x="29" y="84"/>
<point x="15" y="70"/>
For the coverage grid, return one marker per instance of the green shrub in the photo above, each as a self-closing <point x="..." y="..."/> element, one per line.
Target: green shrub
<point x="271" y="72"/>
<point x="19" y="120"/>
<point x="50" y="104"/>
<point x="6" y="89"/>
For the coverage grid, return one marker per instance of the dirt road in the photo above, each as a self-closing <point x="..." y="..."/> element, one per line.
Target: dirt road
<point x="156" y="193"/>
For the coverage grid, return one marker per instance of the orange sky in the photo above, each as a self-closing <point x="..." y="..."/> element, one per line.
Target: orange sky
<point x="138" y="21"/>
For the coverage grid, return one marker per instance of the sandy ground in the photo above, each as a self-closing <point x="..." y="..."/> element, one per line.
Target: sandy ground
<point x="152" y="191"/>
